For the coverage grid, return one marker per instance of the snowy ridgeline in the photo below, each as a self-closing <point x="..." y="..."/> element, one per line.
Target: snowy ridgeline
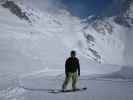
<point x="32" y="39"/>
<point x="34" y="45"/>
<point x="94" y="41"/>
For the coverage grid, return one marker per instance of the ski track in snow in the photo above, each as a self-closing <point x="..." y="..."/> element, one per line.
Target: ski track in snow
<point x="39" y="87"/>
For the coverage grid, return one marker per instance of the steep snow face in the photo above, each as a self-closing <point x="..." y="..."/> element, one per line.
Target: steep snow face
<point x="39" y="47"/>
<point x="108" y="40"/>
<point x="101" y="41"/>
<point x="95" y="41"/>
<point x="128" y="18"/>
<point x="36" y="46"/>
<point x="116" y="34"/>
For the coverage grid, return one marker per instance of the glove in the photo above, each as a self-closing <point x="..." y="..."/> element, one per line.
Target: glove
<point x="78" y="74"/>
<point x="66" y="74"/>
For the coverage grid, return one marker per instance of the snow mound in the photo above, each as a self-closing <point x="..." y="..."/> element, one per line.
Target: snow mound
<point x="12" y="93"/>
<point x="125" y="73"/>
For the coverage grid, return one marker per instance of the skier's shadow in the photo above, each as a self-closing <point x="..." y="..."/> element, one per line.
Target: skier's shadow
<point x="33" y="89"/>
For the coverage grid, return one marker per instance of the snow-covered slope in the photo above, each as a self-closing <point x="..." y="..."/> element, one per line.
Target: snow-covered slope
<point x="125" y="73"/>
<point x="93" y="41"/>
<point x="34" y="44"/>
<point x="114" y="33"/>
<point x="108" y="40"/>
<point x="45" y="37"/>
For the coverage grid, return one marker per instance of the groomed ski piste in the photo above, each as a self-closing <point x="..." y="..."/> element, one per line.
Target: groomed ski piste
<point x="39" y="86"/>
<point x="32" y="58"/>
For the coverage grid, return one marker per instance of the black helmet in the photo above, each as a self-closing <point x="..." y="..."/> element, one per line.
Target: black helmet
<point x="73" y="53"/>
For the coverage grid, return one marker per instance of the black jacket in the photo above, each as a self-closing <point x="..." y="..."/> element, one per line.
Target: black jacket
<point x="72" y="65"/>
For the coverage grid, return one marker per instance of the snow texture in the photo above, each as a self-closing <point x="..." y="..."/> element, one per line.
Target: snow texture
<point x="32" y="54"/>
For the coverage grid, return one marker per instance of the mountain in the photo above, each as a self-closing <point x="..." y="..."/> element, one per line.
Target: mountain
<point x="35" y="41"/>
<point x="116" y="27"/>
<point x="120" y="6"/>
<point x="41" y="35"/>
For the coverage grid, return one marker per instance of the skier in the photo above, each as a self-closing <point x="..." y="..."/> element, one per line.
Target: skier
<point x="72" y="71"/>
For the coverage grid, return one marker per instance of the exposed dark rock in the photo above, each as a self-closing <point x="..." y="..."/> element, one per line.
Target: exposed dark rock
<point x="89" y="38"/>
<point x="15" y="9"/>
<point x="95" y="53"/>
<point x="122" y="21"/>
<point x="103" y="27"/>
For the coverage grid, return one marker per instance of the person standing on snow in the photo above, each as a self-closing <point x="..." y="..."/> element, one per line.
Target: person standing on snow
<point x="72" y="71"/>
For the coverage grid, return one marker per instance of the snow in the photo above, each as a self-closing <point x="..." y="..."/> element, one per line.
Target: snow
<point x="32" y="56"/>
<point x="39" y="87"/>
<point x="27" y="48"/>
<point x="71" y="32"/>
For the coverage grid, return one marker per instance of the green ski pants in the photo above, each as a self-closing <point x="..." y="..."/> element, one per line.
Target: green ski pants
<point x="74" y="78"/>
